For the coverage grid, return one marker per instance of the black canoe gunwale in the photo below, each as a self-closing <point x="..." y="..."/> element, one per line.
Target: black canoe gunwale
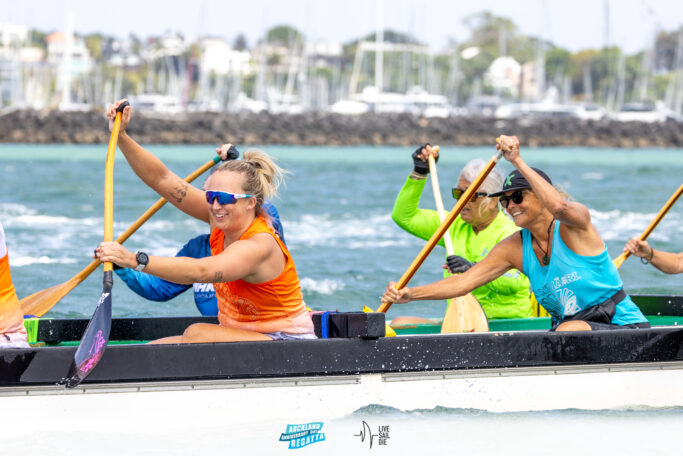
<point x="302" y="358"/>
<point x="332" y="357"/>
<point x="55" y="331"/>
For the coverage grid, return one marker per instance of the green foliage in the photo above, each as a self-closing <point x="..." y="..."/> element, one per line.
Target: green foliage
<point x="557" y="61"/>
<point x="94" y="43"/>
<point x="285" y="35"/>
<point x="38" y="39"/>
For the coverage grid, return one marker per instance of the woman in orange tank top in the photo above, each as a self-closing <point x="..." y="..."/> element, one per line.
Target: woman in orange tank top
<point x="257" y="287"/>
<point x="12" y="332"/>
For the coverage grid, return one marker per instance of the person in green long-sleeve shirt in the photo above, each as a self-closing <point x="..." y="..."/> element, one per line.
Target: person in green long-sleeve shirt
<point x="479" y="227"/>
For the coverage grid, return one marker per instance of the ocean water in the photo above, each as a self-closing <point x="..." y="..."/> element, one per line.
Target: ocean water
<point x="335" y="209"/>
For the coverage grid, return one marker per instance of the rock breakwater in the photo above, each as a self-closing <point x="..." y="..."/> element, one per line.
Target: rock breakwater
<point x="333" y="129"/>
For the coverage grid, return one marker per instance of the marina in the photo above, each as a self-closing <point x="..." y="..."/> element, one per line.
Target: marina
<point x="341" y="113"/>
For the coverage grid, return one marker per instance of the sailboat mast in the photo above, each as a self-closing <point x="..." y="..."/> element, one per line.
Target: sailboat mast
<point x="379" y="53"/>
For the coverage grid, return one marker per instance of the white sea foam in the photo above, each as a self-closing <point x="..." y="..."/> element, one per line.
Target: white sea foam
<point x="347" y="230"/>
<point x="324" y="286"/>
<point x="593" y="176"/>
<point x="19" y="261"/>
<point x="41" y="220"/>
<point x="8" y="210"/>
<point x="620" y="226"/>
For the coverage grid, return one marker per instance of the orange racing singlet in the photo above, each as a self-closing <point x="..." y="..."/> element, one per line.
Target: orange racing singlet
<point x="268" y="307"/>
<point x="11" y="316"/>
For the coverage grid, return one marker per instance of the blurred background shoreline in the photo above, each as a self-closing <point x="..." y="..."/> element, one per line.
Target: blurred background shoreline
<point x="316" y="129"/>
<point x="389" y="84"/>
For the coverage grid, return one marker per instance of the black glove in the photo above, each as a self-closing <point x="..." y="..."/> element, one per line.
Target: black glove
<point x="233" y="153"/>
<point x="457" y="264"/>
<point x="422" y="167"/>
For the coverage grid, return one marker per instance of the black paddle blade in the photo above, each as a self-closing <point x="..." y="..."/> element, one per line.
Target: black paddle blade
<point x="94" y="340"/>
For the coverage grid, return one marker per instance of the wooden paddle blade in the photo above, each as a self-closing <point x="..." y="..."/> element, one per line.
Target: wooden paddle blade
<point x="94" y="340"/>
<point x="618" y="261"/>
<point x="464" y="314"/>
<point x="38" y="304"/>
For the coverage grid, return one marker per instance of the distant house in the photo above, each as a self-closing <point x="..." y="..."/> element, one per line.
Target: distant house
<point x="532" y="88"/>
<point x="58" y="45"/>
<point x="122" y="53"/>
<point x="325" y="54"/>
<point x="503" y="75"/>
<point x="21" y="66"/>
<point x="171" y="44"/>
<point x="13" y="35"/>
<point x="218" y="57"/>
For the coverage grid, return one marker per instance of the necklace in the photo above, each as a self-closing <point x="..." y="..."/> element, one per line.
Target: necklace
<point x="546" y="259"/>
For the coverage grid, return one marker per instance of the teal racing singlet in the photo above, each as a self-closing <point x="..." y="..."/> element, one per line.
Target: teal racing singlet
<point x="571" y="282"/>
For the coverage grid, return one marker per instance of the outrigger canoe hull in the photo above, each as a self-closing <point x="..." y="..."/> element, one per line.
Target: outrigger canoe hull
<point x="312" y="380"/>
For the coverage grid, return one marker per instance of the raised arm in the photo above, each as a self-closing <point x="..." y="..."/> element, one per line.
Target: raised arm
<point x="569" y="212"/>
<point x="155" y="174"/>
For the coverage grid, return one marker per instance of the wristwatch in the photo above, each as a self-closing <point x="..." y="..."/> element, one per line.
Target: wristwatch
<point x="142" y="258"/>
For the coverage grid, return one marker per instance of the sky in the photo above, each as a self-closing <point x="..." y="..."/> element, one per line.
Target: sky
<point x="572" y="24"/>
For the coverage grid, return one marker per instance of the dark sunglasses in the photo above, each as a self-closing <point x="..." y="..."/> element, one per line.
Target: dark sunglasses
<point x="457" y="193"/>
<point x="516" y="197"/>
<point x="224" y="197"/>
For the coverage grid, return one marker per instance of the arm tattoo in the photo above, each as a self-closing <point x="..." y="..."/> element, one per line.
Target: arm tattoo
<point x="180" y="191"/>
<point x="218" y="277"/>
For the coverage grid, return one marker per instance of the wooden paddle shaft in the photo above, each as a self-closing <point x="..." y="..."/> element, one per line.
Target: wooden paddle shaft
<point x="109" y="185"/>
<point x="438" y="200"/>
<point x="161" y="201"/>
<point x="148" y="214"/>
<point x="662" y="212"/>
<point x="438" y="234"/>
<point x="33" y="304"/>
<point x="153" y="209"/>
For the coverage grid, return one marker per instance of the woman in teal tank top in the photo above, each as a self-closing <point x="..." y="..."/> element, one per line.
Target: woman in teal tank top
<point x="559" y="250"/>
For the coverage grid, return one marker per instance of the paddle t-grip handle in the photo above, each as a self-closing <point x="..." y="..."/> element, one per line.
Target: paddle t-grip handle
<point x="122" y="106"/>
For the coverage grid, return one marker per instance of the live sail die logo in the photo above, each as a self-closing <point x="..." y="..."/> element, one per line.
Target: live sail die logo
<point x="301" y="435"/>
<point x="366" y="434"/>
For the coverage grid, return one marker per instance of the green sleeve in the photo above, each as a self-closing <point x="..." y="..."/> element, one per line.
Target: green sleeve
<point x="419" y="222"/>
<point x="509" y="283"/>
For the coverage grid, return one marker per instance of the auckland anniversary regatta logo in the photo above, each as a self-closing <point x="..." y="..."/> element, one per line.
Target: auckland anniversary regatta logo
<point x="301" y="435"/>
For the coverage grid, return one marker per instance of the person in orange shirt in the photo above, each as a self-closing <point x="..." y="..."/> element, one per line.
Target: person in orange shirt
<point x="257" y="287"/>
<point x="12" y="331"/>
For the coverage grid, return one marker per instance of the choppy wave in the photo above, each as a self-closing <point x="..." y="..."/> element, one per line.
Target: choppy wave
<point x="348" y="231"/>
<point x="324" y="286"/>
<point x="593" y="176"/>
<point x="617" y="225"/>
<point x="8" y="210"/>
<point x="19" y="261"/>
